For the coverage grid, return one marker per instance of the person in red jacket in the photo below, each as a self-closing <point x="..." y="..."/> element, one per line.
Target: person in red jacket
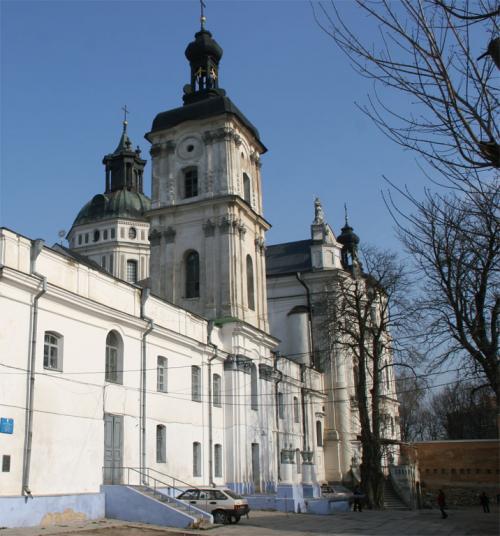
<point x="441" y="500"/>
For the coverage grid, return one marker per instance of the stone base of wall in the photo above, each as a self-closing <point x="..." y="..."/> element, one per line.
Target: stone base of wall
<point x="459" y="496"/>
<point x="48" y="510"/>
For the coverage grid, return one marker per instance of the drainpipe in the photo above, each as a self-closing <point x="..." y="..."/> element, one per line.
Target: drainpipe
<point x="36" y="248"/>
<point x="277" y="400"/>
<point x="298" y="275"/>
<point x="303" y="404"/>
<point x="210" y="327"/>
<point x="145" y="292"/>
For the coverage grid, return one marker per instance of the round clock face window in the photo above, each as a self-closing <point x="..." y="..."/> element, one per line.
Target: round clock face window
<point x="189" y="148"/>
<point x="132" y="233"/>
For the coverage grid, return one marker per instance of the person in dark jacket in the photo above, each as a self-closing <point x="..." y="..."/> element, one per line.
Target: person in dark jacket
<point x="358" y="496"/>
<point x="484" y="501"/>
<point x="441" y="500"/>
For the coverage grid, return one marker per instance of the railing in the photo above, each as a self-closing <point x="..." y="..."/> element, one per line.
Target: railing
<point x="137" y="477"/>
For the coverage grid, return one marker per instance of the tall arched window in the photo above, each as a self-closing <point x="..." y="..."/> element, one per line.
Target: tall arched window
<point x="196" y="459"/>
<point x="192" y="275"/>
<point x="132" y="271"/>
<point x="114" y="358"/>
<point x="190" y="176"/>
<point x="247" y="191"/>
<point x="218" y="461"/>
<point x="254" y="397"/>
<point x="319" y="434"/>
<point x="216" y="395"/>
<point x="196" y="383"/>
<point x="250" y="285"/>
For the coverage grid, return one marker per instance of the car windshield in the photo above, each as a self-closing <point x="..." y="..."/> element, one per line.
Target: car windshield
<point x="232" y="494"/>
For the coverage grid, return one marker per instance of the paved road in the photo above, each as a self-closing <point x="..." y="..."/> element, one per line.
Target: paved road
<point x="470" y="522"/>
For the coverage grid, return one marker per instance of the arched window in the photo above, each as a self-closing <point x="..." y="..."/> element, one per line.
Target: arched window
<point x="196" y="384"/>
<point x="247" y="191"/>
<point x="190" y="177"/>
<point x="298" y="461"/>
<point x="254" y="396"/>
<point x="319" y="434"/>
<point x="132" y="271"/>
<point x="114" y="358"/>
<point x="53" y="350"/>
<point x="281" y="406"/>
<point x="192" y="275"/>
<point x="196" y="459"/>
<point x="296" y="409"/>
<point x="218" y="461"/>
<point x="250" y="285"/>
<point x="161" y="444"/>
<point x="216" y="395"/>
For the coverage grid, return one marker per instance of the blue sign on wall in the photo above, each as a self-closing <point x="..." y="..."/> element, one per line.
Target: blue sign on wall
<point x="6" y="425"/>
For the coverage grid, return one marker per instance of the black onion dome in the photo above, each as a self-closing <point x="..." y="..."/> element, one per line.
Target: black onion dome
<point x="117" y="204"/>
<point x="202" y="46"/>
<point x="348" y="237"/>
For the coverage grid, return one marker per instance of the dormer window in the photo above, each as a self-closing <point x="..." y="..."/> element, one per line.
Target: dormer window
<point x="190" y="182"/>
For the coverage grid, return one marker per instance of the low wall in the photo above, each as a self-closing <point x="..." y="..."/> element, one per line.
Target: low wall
<point x="50" y="509"/>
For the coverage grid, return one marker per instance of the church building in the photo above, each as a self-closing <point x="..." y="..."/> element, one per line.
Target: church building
<point x="167" y="346"/>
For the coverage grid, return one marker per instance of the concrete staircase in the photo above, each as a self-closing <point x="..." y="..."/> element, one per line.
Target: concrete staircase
<point x="391" y="498"/>
<point x="147" y="505"/>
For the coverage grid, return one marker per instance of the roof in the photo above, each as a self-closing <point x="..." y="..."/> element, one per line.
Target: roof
<point x="208" y="107"/>
<point x="289" y="258"/>
<point x="117" y="204"/>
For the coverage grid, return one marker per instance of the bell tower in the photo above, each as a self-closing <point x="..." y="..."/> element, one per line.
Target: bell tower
<point x="207" y="226"/>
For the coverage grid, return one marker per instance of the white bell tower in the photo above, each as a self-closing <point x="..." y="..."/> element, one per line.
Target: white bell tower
<point x="207" y="229"/>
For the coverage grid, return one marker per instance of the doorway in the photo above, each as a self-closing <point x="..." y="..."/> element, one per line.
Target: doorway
<point x="113" y="449"/>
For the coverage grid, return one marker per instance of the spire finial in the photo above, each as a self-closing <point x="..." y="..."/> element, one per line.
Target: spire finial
<point x="345" y="212"/>
<point x="203" y="19"/>
<point x="125" y="122"/>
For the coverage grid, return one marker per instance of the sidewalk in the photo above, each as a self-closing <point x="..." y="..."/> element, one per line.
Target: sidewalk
<point x="465" y="522"/>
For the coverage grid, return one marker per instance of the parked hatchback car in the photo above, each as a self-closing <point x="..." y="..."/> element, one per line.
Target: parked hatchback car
<point x="225" y="505"/>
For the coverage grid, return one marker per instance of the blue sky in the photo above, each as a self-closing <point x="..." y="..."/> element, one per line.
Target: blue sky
<point x="69" y="66"/>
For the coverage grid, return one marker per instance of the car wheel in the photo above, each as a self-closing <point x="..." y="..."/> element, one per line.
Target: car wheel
<point x="237" y="519"/>
<point x="220" y="517"/>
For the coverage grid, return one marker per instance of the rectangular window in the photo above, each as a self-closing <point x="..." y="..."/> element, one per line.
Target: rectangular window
<point x="218" y="461"/>
<point x="79" y="239"/>
<point x="196" y="459"/>
<point x="113" y="233"/>
<point x="132" y="271"/>
<point x="6" y="463"/>
<point x="217" y="397"/>
<point x="86" y="238"/>
<point x="161" y="374"/>
<point x="161" y="444"/>
<point x="52" y="351"/>
<point x="105" y="234"/>
<point x="196" y="384"/>
<point x="281" y="406"/>
<point x="191" y="183"/>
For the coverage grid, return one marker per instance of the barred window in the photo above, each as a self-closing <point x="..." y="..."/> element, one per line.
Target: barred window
<point x="218" y="461"/>
<point x="196" y="383"/>
<point x="161" y="374"/>
<point x="161" y="444"/>
<point x="217" y="387"/>
<point x="52" y="350"/>
<point x="132" y="271"/>
<point x="114" y="358"/>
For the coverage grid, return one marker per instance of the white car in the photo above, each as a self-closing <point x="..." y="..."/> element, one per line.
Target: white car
<point x="225" y="505"/>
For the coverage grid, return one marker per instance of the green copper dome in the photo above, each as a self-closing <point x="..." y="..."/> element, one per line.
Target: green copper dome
<point x="117" y="204"/>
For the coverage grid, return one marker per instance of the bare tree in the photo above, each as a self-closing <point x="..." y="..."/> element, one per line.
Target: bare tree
<point x="364" y="305"/>
<point x="411" y="391"/>
<point x="443" y="56"/>
<point x="431" y="51"/>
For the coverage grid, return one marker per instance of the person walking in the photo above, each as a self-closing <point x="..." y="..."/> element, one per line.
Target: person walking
<point x="485" y="502"/>
<point x="441" y="500"/>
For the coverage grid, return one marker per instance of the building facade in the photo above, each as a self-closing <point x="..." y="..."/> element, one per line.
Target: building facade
<point x="157" y="343"/>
